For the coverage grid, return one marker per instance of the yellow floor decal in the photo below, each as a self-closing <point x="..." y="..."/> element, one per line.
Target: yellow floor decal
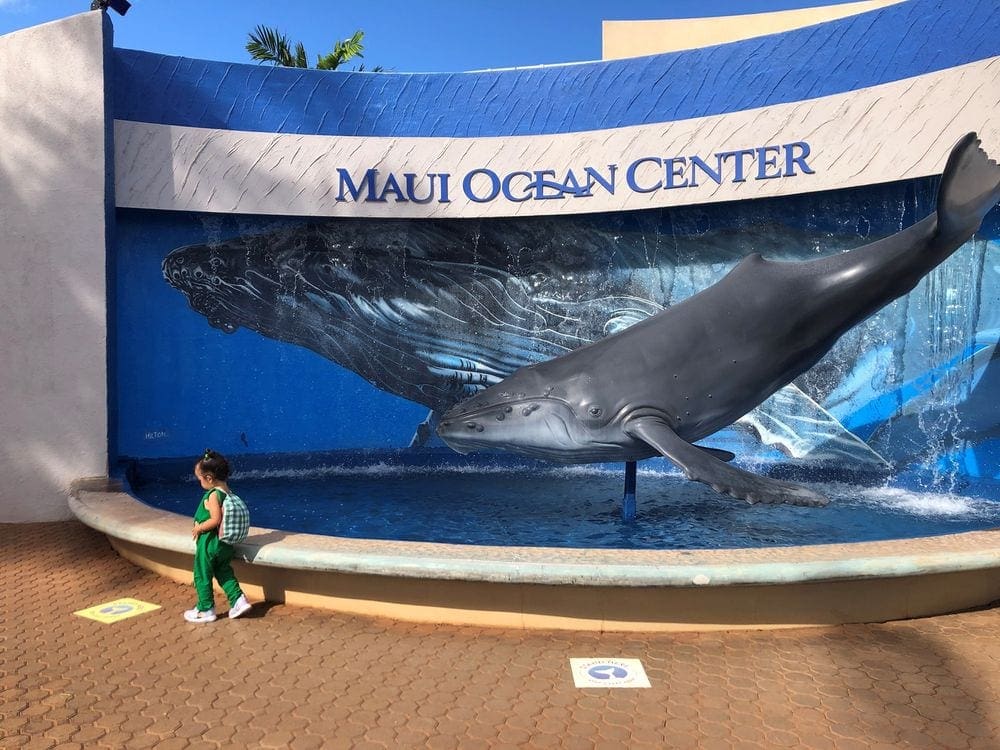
<point x="117" y="610"/>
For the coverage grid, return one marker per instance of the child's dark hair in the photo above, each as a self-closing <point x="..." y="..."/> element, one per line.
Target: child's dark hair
<point x="215" y="464"/>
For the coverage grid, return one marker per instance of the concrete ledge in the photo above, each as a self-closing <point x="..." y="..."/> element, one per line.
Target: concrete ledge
<point x="526" y="587"/>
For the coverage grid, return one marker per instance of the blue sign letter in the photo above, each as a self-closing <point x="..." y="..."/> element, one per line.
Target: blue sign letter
<point x="630" y="175"/>
<point x="764" y="162"/>
<point x="791" y="160"/>
<point x="494" y="185"/>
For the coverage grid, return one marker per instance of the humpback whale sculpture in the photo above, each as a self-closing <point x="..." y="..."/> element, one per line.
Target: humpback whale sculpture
<point x="436" y="311"/>
<point x="696" y="367"/>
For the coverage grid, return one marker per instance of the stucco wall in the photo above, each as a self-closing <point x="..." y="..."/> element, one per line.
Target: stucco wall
<point x="634" y="38"/>
<point x="53" y="224"/>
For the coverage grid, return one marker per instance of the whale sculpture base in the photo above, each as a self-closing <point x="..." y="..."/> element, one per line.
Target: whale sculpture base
<point x="628" y="499"/>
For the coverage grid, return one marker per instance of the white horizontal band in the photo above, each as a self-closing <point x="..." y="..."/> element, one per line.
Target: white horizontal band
<point x="895" y="131"/>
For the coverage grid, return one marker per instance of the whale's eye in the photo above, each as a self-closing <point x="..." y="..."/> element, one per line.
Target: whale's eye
<point x="595" y="411"/>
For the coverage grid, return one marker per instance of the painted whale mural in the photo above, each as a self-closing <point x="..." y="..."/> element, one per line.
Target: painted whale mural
<point x="437" y="311"/>
<point x="387" y="301"/>
<point x="694" y="368"/>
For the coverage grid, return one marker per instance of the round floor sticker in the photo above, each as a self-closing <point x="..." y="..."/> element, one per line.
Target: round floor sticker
<point x="605" y="673"/>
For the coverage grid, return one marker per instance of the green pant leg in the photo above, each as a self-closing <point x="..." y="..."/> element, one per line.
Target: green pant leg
<point x="203" y="573"/>
<point x="223" y="569"/>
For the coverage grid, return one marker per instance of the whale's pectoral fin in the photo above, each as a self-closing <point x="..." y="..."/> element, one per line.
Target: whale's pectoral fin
<point x="718" y="453"/>
<point x="699" y="465"/>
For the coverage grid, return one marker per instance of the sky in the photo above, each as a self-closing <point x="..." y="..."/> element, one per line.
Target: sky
<point x="412" y="36"/>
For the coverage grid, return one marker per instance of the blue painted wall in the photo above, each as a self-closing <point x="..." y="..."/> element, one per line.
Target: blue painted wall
<point x="887" y="45"/>
<point x="347" y="332"/>
<point x="184" y="383"/>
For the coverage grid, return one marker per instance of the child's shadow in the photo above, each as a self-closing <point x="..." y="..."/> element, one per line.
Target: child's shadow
<point x="259" y="609"/>
<point x="247" y="551"/>
<point x="250" y="546"/>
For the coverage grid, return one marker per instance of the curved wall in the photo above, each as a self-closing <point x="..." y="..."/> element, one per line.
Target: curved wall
<point x="812" y="109"/>
<point x="311" y="261"/>
<point x="332" y="259"/>
<point x="837" y="57"/>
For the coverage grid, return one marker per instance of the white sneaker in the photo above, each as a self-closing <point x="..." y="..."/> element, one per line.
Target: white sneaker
<point x="196" y="615"/>
<point x="240" y="607"/>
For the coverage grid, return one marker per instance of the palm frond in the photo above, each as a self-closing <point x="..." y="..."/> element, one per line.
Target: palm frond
<point x="266" y="44"/>
<point x="300" y="56"/>
<point x="344" y="50"/>
<point x="351" y="48"/>
<point x="269" y="45"/>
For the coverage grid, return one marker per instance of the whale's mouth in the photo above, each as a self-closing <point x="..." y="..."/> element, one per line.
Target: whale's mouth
<point x="215" y="311"/>
<point x="498" y="411"/>
<point x="539" y="427"/>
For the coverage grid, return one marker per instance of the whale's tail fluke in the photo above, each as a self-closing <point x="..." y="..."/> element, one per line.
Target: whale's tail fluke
<point x="970" y="187"/>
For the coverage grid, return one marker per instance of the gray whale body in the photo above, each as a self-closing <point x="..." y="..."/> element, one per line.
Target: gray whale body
<point x="696" y="367"/>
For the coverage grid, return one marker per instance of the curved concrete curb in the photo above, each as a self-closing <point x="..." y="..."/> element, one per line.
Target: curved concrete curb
<point x="120" y="515"/>
<point x="693" y="589"/>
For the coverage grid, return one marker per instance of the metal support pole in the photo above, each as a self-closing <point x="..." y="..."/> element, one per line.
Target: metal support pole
<point x="628" y="501"/>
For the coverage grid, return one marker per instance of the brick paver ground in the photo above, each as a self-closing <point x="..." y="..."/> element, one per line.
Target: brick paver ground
<point x="292" y="677"/>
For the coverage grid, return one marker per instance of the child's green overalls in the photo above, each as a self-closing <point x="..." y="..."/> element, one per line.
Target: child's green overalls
<point x="213" y="558"/>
